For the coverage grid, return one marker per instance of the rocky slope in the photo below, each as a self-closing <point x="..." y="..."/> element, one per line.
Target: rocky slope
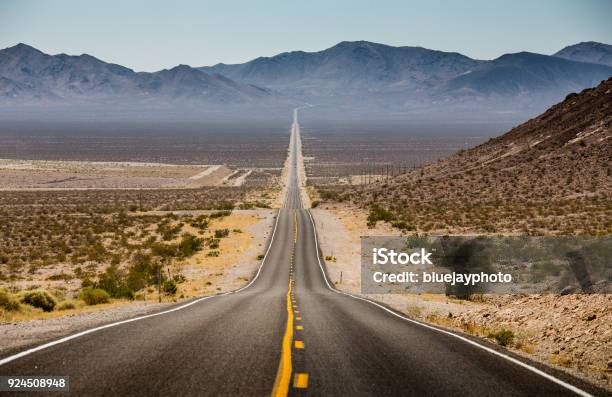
<point x="543" y="176"/>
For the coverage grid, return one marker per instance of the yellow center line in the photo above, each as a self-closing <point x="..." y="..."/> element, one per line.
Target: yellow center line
<point x="300" y="381"/>
<point x="283" y="375"/>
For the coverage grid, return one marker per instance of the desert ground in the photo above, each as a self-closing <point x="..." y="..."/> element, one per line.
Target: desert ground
<point x="49" y="175"/>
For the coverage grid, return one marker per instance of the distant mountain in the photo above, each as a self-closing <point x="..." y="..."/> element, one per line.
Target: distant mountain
<point x="351" y="79"/>
<point x="418" y="82"/>
<point x="350" y="66"/>
<point x="28" y="74"/>
<point x="527" y="73"/>
<point x="590" y="51"/>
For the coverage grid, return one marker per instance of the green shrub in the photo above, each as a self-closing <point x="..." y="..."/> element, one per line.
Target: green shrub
<point x="163" y="250"/>
<point x="213" y="243"/>
<point x="40" y="299"/>
<point x="260" y="257"/>
<point x="167" y="231"/>
<point x="503" y="337"/>
<point x="114" y="281"/>
<point x="315" y="203"/>
<point x="8" y="301"/>
<point x="378" y="214"/>
<point x="213" y="253"/>
<point x="189" y="245"/>
<point x="169" y="287"/>
<point x="220" y="233"/>
<point x="94" y="296"/>
<point x="142" y="272"/>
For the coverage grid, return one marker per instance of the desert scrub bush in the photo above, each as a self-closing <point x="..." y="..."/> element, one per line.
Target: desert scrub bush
<point x="8" y="301"/>
<point x="213" y="254"/>
<point x="169" y="287"/>
<point x="378" y="214"/>
<point x="179" y="278"/>
<point x="200" y="222"/>
<point x="94" y="296"/>
<point x="503" y="337"/>
<point x="213" y="243"/>
<point x="403" y="225"/>
<point x="167" y="231"/>
<point x="163" y="250"/>
<point x="39" y="299"/>
<point x="114" y="281"/>
<point x="189" y="245"/>
<point x="315" y="203"/>
<point x="220" y="233"/>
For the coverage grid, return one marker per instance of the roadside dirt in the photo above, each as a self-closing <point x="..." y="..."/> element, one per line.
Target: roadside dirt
<point x="238" y="253"/>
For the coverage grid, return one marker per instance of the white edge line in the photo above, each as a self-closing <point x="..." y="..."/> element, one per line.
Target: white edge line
<point x="91" y="330"/>
<point x="464" y="339"/>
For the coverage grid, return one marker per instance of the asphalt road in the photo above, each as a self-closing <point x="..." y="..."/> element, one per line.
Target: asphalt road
<point x="286" y="333"/>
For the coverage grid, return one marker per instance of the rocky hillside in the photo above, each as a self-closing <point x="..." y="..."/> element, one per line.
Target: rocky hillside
<point x="550" y="175"/>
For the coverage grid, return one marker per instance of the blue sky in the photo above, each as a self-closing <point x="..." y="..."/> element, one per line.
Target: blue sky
<point x="152" y="35"/>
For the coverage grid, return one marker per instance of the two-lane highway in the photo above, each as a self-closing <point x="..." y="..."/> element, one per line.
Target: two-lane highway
<point x="286" y="333"/>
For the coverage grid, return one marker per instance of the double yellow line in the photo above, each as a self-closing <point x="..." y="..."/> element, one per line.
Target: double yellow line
<point x="285" y="369"/>
<point x="283" y="376"/>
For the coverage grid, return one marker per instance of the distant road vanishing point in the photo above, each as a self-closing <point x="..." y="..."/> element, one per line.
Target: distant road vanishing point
<point x="288" y="332"/>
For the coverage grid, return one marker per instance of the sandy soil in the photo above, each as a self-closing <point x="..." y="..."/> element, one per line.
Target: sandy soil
<point x="43" y="174"/>
<point x="237" y="261"/>
<point x="573" y="333"/>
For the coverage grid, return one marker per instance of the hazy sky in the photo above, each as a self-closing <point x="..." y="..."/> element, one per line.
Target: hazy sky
<point x="151" y="35"/>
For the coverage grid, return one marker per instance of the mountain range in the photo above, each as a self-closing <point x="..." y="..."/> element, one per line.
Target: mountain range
<point x="359" y="77"/>
<point x="27" y="74"/>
